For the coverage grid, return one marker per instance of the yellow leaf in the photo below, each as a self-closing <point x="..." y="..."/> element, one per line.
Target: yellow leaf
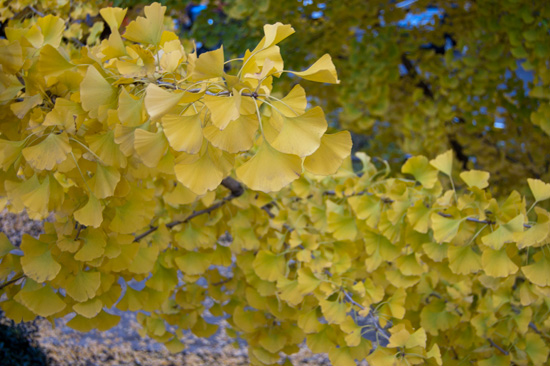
<point x="184" y="133"/>
<point x="88" y="309"/>
<point x="226" y="109"/>
<point x="207" y="66"/>
<point x="274" y="33"/>
<point x="504" y="233"/>
<point x="294" y="103"/>
<point x="52" y="28"/>
<point x="50" y="152"/>
<point x="52" y="63"/>
<point x="94" y="245"/>
<point x="37" y="260"/>
<point x="150" y="146"/>
<point x="11" y="57"/>
<point x="269" y="266"/>
<point x="193" y="263"/>
<point x="10" y="152"/>
<point x="330" y="155"/>
<point x="203" y="172"/>
<point x="538" y="272"/>
<point x="463" y="260"/>
<point x="536" y="348"/>
<point x="30" y="194"/>
<point x="269" y="170"/>
<point x="496" y="263"/>
<point x="96" y="94"/>
<point x="130" y="109"/>
<point x="322" y="71"/>
<point x="418" y="167"/>
<point x="476" y="178"/>
<point x="41" y="300"/>
<point x="341" y="356"/>
<point x="104" y="146"/>
<point x="147" y="30"/>
<point x="83" y="286"/>
<point x="444" y="162"/>
<point x="333" y="311"/>
<point x="444" y="229"/>
<point x="273" y="340"/>
<point x="537" y="233"/>
<point x="174" y="346"/>
<point x="102" y="322"/>
<point x="158" y="101"/>
<point x="145" y="259"/>
<point x="540" y="190"/>
<point x="237" y="136"/>
<point x="5" y="245"/>
<point x="113" y="16"/>
<point x="104" y="181"/>
<point x="91" y="214"/>
<point x="300" y="135"/>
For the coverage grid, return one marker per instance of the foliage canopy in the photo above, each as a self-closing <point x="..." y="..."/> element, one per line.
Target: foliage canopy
<point x="149" y="155"/>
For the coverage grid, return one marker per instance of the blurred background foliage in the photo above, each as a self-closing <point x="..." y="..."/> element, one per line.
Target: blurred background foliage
<point x="417" y="76"/>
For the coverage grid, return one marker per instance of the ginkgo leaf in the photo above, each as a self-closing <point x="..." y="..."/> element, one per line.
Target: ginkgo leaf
<point x="540" y="190"/>
<point x="341" y="356"/>
<point x="537" y="233"/>
<point x="184" y="133"/>
<point x="504" y="233"/>
<point x="145" y="259"/>
<point x="435" y="317"/>
<point x="322" y="71"/>
<point x="274" y="33"/>
<point x="476" y="178"/>
<point x="330" y="155"/>
<point x="536" y="348"/>
<point x="300" y="135"/>
<point x="334" y="311"/>
<point x="102" y="322"/>
<point x="419" y="216"/>
<point x="113" y="16"/>
<point x="269" y="266"/>
<point x="10" y="152"/>
<point x="130" y="109"/>
<point x="83" y="286"/>
<point x="11" y="57"/>
<point x="269" y="170"/>
<point x="150" y="146"/>
<point x="30" y="194"/>
<point x="91" y="214"/>
<point x="37" y="260"/>
<point x="193" y="263"/>
<point x="52" y="28"/>
<point x="497" y="263"/>
<point x="104" y="181"/>
<point x="237" y="136"/>
<point x="148" y="29"/>
<point x="52" y="63"/>
<point x="444" y="162"/>
<point x="88" y="309"/>
<point x="94" y="245"/>
<point x="41" y="300"/>
<point x="159" y="101"/>
<point x="444" y="228"/>
<point x="463" y="260"/>
<point x="49" y="152"/>
<point x="294" y="103"/>
<point x="207" y="66"/>
<point x="203" y="172"/>
<point x="225" y="109"/>
<point x="273" y="340"/>
<point x="96" y="93"/>
<point x="5" y="245"/>
<point x="418" y="167"/>
<point x="105" y="147"/>
<point x="538" y="272"/>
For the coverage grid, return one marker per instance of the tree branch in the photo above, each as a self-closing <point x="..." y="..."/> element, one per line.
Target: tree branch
<point x="234" y="187"/>
<point x="477" y="221"/>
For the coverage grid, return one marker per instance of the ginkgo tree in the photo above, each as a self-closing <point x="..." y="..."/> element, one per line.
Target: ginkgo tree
<point x="158" y="166"/>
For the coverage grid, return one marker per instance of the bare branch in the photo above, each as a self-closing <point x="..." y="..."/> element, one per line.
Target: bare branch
<point x="12" y="281"/>
<point x="498" y="347"/>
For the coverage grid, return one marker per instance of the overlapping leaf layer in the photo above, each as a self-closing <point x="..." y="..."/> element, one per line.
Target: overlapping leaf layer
<point x="151" y="157"/>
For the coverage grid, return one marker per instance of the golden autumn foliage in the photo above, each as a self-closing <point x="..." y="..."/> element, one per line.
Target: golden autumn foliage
<point x="149" y="156"/>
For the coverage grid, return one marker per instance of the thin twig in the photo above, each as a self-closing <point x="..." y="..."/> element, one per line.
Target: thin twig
<point x="12" y="281"/>
<point x="498" y="347"/>
<point x="234" y="186"/>
<point x="477" y="221"/>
